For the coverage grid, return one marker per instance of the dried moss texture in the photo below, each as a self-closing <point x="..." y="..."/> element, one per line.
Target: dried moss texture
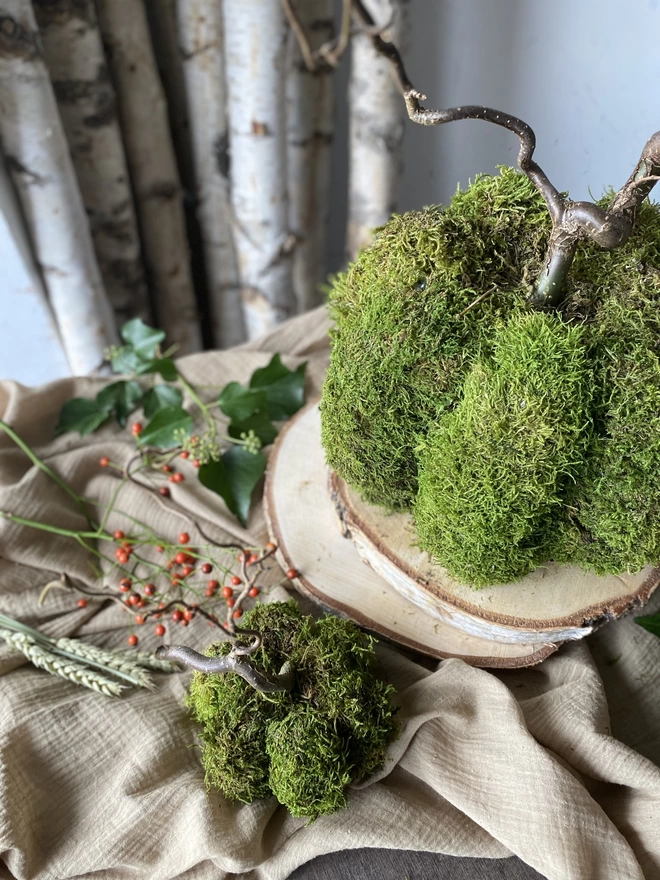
<point x="306" y="746"/>
<point x="434" y="349"/>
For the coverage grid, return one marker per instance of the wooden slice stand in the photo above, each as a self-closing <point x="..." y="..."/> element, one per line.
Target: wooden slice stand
<point x="327" y="533"/>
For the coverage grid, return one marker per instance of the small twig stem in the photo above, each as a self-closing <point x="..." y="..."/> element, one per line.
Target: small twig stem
<point x="301" y="36"/>
<point x="267" y="684"/>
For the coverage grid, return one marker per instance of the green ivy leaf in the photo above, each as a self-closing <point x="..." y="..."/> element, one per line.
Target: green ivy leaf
<point x="258" y="422"/>
<point x="284" y="388"/>
<point x="125" y="360"/>
<point x="161" y="429"/>
<point x="159" y="397"/>
<point x="82" y="415"/>
<point x="164" y="366"/>
<point x="651" y="623"/>
<point x="122" y="398"/>
<point x="234" y="477"/>
<point x="240" y="403"/>
<point x="144" y="340"/>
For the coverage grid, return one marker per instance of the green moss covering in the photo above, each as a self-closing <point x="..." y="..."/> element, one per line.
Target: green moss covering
<point x="433" y="345"/>
<point x="403" y="341"/>
<point x="495" y="472"/>
<point x="307" y="745"/>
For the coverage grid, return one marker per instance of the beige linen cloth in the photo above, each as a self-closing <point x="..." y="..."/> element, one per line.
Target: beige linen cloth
<point x="557" y="764"/>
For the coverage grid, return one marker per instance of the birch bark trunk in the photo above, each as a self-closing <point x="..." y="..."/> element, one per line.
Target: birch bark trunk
<point x="310" y="126"/>
<point x="38" y="159"/>
<point x="152" y="165"/>
<point x="201" y="44"/>
<point x="255" y="39"/>
<point x="74" y="55"/>
<point x="377" y="117"/>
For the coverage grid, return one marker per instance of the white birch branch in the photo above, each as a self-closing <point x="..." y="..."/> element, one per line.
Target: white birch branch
<point x="151" y="161"/>
<point x="164" y="27"/>
<point x="376" y="126"/>
<point x="38" y="159"/>
<point x="255" y="40"/>
<point x="310" y="125"/>
<point x="74" y="55"/>
<point x="201" y="43"/>
<point x="32" y="351"/>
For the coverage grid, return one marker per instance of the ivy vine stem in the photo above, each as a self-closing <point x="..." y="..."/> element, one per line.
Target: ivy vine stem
<point x="38" y="462"/>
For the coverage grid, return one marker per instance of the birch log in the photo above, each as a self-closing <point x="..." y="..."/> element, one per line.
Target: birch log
<point x="37" y="156"/>
<point x="310" y="118"/>
<point x="162" y="16"/>
<point x="31" y="351"/>
<point x="255" y="40"/>
<point x="376" y="124"/>
<point x="152" y="165"/>
<point x="74" y="55"/>
<point x="201" y="43"/>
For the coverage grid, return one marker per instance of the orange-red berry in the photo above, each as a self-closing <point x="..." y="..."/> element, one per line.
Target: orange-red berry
<point x="184" y="454"/>
<point x="253" y="591"/>
<point x="180" y="558"/>
<point x="177" y="478"/>
<point x="132" y="640"/>
<point x="164" y="491"/>
<point x="118" y="535"/>
<point x="231" y="602"/>
<point x="166" y="469"/>
<point x="238" y="613"/>
<point x="177" y="615"/>
<point x="186" y="570"/>
<point x="291" y="574"/>
<point x="213" y="585"/>
<point x="149" y="589"/>
<point x="227" y="592"/>
<point x="188" y="614"/>
<point x="125" y="584"/>
<point x="82" y="603"/>
<point x="235" y="580"/>
<point x="139" y="619"/>
<point x="160" y="548"/>
<point x="160" y="630"/>
<point x="136" y="428"/>
<point x="196" y="463"/>
<point x="184" y="538"/>
<point x="104" y="462"/>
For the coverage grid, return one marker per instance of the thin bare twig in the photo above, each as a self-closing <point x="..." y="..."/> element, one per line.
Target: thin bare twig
<point x="332" y="51"/>
<point x="301" y="36"/>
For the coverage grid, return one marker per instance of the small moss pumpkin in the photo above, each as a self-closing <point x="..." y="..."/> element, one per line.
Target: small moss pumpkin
<point x="303" y="746"/>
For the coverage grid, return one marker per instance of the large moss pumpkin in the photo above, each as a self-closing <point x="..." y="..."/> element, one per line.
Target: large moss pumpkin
<point x="514" y="436"/>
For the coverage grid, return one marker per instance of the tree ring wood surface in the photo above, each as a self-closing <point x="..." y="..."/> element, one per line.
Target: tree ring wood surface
<point x="553" y="603"/>
<point x="303" y="522"/>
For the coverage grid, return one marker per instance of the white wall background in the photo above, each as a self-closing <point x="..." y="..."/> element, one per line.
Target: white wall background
<point x="585" y="74"/>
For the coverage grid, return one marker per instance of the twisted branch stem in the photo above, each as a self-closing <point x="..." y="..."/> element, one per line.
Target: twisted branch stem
<point x="571" y="221"/>
<point x="267" y="684"/>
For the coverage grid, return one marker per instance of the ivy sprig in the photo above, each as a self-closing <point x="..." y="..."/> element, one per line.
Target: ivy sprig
<point x="274" y="393"/>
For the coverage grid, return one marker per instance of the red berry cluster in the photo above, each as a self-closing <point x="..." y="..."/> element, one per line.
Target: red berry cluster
<point x="179" y="586"/>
